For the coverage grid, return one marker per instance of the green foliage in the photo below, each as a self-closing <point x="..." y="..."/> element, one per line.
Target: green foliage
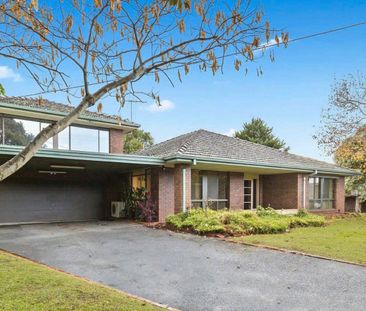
<point x="2" y="90"/>
<point x="264" y="221"/>
<point x="137" y="140"/>
<point x="257" y="131"/>
<point x="15" y="134"/>
<point x="266" y="211"/>
<point x="343" y="238"/>
<point x="25" y="285"/>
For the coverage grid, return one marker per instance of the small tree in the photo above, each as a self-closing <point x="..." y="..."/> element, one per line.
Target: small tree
<point x="257" y="131"/>
<point x="93" y="49"/>
<point x="137" y="140"/>
<point x="345" y="113"/>
<point x="2" y="90"/>
<point x="352" y="154"/>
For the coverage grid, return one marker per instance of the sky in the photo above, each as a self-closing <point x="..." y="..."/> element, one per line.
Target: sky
<point x="289" y="95"/>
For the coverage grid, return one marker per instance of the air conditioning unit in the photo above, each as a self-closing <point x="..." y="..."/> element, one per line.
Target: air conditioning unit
<point x="118" y="209"/>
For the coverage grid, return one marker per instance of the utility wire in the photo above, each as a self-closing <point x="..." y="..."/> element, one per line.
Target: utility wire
<point x="263" y="47"/>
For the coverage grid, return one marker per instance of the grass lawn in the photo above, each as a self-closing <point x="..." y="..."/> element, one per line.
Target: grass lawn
<point x="341" y="239"/>
<point x="25" y="285"/>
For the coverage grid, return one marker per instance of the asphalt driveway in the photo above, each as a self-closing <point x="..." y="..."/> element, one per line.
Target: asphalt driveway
<point x="190" y="272"/>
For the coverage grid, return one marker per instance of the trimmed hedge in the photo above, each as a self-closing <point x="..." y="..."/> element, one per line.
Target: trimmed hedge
<point x="264" y="220"/>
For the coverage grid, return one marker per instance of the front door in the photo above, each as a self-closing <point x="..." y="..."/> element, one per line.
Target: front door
<point x="250" y="194"/>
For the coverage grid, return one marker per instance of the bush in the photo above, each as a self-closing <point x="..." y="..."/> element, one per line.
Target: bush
<point x="264" y="221"/>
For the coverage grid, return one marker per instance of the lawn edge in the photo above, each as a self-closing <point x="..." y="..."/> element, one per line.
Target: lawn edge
<point x="295" y="252"/>
<point x="89" y="281"/>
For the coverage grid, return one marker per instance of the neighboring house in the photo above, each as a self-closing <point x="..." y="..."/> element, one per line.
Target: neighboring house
<point x="80" y="171"/>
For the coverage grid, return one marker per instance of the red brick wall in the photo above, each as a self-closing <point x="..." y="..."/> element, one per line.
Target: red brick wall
<point x="178" y="187"/>
<point x="236" y="190"/>
<point x="340" y="198"/>
<point x="116" y="141"/>
<point x="162" y="191"/>
<point x="281" y="191"/>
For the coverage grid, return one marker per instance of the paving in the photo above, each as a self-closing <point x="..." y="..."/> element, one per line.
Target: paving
<point x="190" y="272"/>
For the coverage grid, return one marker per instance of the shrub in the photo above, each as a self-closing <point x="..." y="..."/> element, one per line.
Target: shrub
<point x="266" y="211"/>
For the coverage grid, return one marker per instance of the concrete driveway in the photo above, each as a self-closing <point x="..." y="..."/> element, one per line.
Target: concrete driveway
<point x="190" y="272"/>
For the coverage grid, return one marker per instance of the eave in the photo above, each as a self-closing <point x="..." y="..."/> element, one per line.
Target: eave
<point x="180" y="158"/>
<point x="87" y="156"/>
<point x="51" y="115"/>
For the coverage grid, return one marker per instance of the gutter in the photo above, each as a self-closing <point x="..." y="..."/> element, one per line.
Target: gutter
<point x="225" y="161"/>
<point x="86" y="156"/>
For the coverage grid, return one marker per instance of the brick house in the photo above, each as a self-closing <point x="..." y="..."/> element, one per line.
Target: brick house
<point x="81" y="170"/>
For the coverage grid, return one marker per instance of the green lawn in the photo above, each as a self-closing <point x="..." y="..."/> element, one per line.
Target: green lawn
<point x="341" y="239"/>
<point x="25" y="285"/>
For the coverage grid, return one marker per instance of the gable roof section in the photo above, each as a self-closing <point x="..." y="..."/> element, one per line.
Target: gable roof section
<point x="205" y="145"/>
<point x="50" y="107"/>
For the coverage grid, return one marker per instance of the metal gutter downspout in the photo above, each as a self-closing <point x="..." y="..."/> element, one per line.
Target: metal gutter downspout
<point x="184" y="190"/>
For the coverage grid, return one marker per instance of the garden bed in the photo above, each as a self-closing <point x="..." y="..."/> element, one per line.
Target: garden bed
<point x="238" y="223"/>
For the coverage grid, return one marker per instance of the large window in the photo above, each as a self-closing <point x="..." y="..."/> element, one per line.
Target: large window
<point x="321" y="193"/>
<point x="209" y="189"/>
<point x="19" y="132"/>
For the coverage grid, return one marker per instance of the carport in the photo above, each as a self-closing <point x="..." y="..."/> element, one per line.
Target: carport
<point x="60" y="186"/>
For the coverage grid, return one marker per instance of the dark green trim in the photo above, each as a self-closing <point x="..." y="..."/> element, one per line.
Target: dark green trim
<point x="223" y="161"/>
<point x="86" y="156"/>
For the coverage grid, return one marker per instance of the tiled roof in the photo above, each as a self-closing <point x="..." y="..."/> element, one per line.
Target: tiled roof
<point x="47" y="106"/>
<point x="215" y="146"/>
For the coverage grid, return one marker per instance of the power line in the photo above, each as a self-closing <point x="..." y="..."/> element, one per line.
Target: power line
<point x="317" y="34"/>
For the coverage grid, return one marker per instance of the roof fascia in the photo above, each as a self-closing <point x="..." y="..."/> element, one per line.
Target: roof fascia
<point x="206" y="160"/>
<point x="86" y="156"/>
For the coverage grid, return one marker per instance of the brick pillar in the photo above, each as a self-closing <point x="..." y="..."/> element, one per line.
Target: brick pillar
<point x="236" y="190"/>
<point x="162" y="191"/>
<point x="178" y="187"/>
<point x="116" y="141"/>
<point x="339" y="197"/>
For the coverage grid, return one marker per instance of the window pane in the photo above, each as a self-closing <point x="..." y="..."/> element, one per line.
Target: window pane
<point x="212" y="186"/>
<point x="103" y="141"/>
<point x="49" y="143"/>
<point x="20" y="132"/>
<point x="138" y="182"/>
<point x="328" y="188"/>
<point x="63" y="139"/>
<point x="196" y="185"/>
<point x="222" y="185"/>
<point x="84" y="139"/>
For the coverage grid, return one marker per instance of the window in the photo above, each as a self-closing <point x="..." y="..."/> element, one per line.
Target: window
<point x="250" y="193"/>
<point x="19" y="132"/>
<point x="103" y="141"/>
<point x="321" y="193"/>
<point x="84" y="139"/>
<point x="209" y="189"/>
<point x="64" y="139"/>
<point x="141" y="179"/>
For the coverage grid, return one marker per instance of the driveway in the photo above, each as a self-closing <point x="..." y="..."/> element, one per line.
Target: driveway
<point x="190" y="272"/>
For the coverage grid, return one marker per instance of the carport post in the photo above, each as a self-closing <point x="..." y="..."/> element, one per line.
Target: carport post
<point x="184" y="190"/>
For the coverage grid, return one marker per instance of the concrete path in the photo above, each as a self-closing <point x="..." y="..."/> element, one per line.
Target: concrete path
<point x="190" y="272"/>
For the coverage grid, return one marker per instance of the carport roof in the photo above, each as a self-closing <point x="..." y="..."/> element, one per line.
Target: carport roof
<point x="87" y="156"/>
